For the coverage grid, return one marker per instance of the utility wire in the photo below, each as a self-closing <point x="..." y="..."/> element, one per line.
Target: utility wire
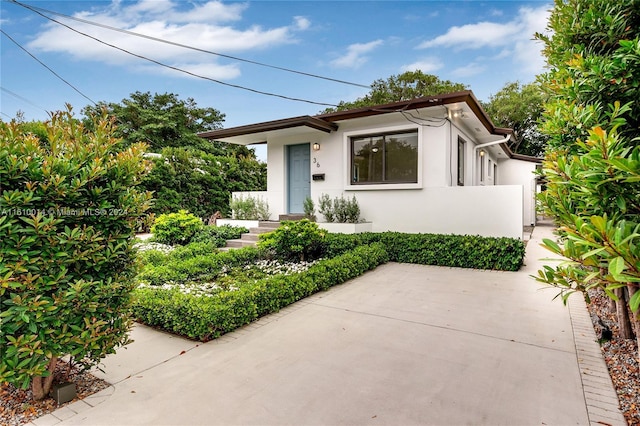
<point x="222" y="55"/>
<point x="15" y="95"/>
<point x="180" y="69"/>
<point x="47" y="67"/>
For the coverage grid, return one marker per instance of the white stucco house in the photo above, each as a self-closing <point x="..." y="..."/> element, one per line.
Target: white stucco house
<point x="435" y="165"/>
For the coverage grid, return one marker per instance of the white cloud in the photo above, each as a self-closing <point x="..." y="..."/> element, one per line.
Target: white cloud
<point x="203" y="25"/>
<point x="513" y="38"/>
<point x="301" y="22"/>
<point x="209" y="70"/>
<point x="426" y="65"/>
<point x="469" y="70"/>
<point x="474" y="36"/>
<point x="356" y="55"/>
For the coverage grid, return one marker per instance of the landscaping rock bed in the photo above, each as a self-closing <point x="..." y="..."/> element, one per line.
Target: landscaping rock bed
<point x="621" y="357"/>
<point x="17" y="406"/>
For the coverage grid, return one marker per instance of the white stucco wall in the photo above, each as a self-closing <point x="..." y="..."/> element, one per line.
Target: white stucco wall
<point x="512" y="171"/>
<point x="435" y="204"/>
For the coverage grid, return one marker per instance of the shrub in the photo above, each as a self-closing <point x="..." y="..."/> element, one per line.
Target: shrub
<point x="176" y="228"/>
<point x="309" y="209"/>
<point x="205" y="318"/>
<point x="341" y="210"/>
<point x="249" y="208"/>
<point x="463" y="251"/>
<point x="325" y="207"/>
<point x="218" y="235"/>
<point x="67" y="220"/>
<point x="295" y="240"/>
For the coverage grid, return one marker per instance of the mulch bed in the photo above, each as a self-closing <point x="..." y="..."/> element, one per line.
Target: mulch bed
<point x="17" y="406"/>
<point x="621" y="357"/>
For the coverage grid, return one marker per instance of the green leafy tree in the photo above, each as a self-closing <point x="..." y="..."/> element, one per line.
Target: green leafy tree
<point x="67" y="218"/>
<point x="519" y="107"/>
<point x="592" y="165"/>
<point x="402" y="87"/>
<point x="164" y="120"/>
<point x="199" y="182"/>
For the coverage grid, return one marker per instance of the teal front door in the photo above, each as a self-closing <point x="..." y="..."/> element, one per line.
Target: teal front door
<point x="298" y="176"/>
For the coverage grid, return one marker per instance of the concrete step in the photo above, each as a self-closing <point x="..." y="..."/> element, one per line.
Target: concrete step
<point x="251" y="236"/>
<point x="240" y="243"/>
<point x="261" y="230"/>
<point x="272" y="224"/>
<point x="291" y="217"/>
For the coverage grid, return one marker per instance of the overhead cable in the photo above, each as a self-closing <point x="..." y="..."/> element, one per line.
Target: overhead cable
<point x="47" y="67"/>
<point x="185" y="46"/>
<point x="176" y="68"/>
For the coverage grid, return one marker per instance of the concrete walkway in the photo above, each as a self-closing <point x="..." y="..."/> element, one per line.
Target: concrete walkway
<point x="404" y="344"/>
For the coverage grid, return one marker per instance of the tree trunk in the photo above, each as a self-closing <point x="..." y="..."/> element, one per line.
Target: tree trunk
<point x="612" y="306"/>
<point x="624" y="323"/>
<point x="636" y="316"/>
<point x="40" y="385"/>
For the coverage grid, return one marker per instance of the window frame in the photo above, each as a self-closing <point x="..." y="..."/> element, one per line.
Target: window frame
<point x="460" y="162"/>
<point x="348" y="157"/>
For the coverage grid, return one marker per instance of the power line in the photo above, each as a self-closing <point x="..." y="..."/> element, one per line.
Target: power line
<point x="15" y="95"/>
<point x="179" y="69"/>
<point x="47" y="67"/>
<point x="222" y="55"/>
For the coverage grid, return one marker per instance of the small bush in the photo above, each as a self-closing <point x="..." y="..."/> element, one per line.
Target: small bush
<point x="218" y="235"/>
<point x="295" y="240"/>
<point x="309" y="209"/>
<point x="249" y="208"/>
<point x="176" y="228"/>
<point x="341" y="210"/>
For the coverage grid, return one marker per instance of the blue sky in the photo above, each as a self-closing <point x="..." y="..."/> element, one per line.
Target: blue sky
<point x="481" y="44"/>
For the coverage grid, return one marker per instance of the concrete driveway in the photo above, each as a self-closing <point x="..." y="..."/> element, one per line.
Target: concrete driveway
<point x="401" y="345"/>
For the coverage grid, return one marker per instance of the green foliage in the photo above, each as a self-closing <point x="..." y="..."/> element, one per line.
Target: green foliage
<point x="402" y="87"/>
<point x="249" y="208"/>
<point x="462" y="251"/>
<point x="200" y="182"/>
<point x="218" y="235"/>
<point x="295" y="240"/>
<point x="68" y="209"/>
<point x="325" y="206"/>
<point x="164" y="121"/>
<point x="196" y="262"/>
<point x="519" y="107"/>
<point x="176" y="228"/>
<point x="593" y="164"/>
<point x="309" y="208"/>
<point x="340" y="210"/>
<point x="205" y="318"/>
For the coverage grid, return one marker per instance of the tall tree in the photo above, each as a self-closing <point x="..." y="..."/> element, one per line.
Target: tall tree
<point x="401" y="87"/>
<point x="519" y="107"/>
<point x="165" y="121"/>
<point x="593" y="162"/>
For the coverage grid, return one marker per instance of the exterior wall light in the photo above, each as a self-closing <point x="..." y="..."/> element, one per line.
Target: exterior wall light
<point x="316" y="146"/>
<point x="482" y="153"/>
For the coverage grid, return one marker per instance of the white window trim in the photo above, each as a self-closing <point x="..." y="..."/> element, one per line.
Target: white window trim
<point x="346" y="138"/>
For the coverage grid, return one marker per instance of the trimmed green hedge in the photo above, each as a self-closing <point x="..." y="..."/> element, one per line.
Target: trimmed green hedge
<point x="462" y="251"/>
<point x="205" y="318"/>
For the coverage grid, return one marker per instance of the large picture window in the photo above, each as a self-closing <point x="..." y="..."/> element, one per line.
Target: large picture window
<point x="384" y="158"/>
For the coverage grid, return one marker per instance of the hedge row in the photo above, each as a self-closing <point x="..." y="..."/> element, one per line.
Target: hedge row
<point x="462" y="251"/>
<point x="205" y="318"/>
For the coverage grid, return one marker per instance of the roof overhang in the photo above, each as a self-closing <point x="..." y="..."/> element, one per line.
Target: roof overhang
<point x="260" y="132"/>
<point x="473" y="118"/>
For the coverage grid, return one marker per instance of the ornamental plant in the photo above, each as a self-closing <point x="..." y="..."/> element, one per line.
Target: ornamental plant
<point x="68" y="211"/>
<point x="176" y="228"/>
<point x="295" y="240"/>
<point x="592" y="165"/>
